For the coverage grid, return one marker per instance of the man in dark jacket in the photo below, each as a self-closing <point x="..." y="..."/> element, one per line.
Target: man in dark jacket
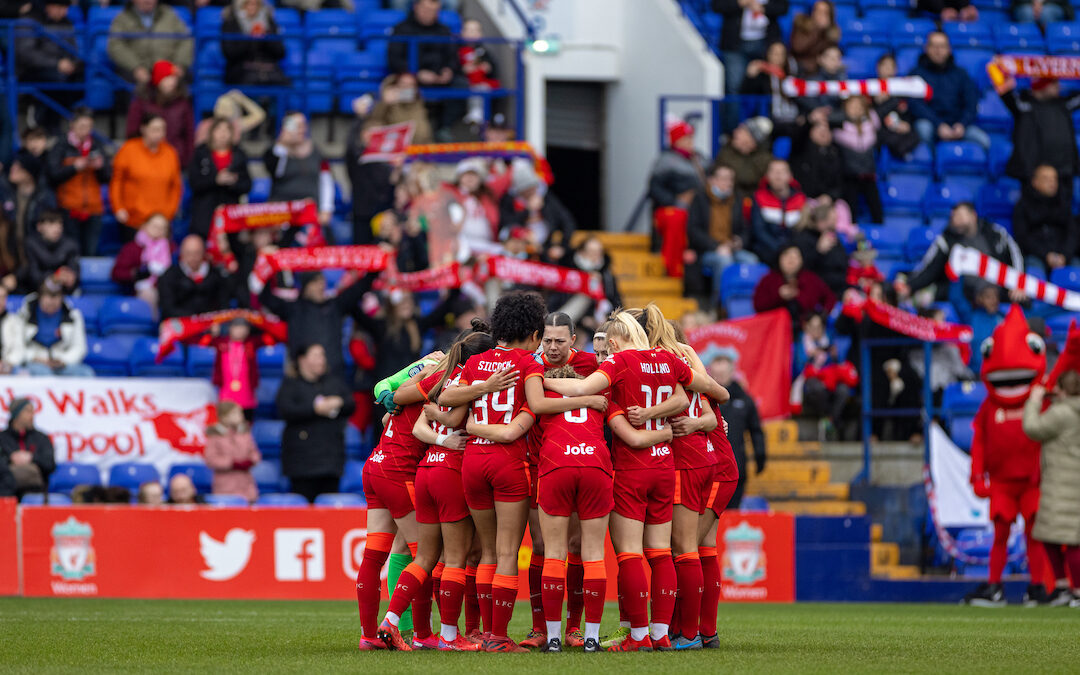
<point x="23" y="196"/>
<point x="45" y="59"/>
<point x="950" y="114"/>
<point x="1043" y="222"/>
<point x="715" y="230"/>
<point x="741" y="415"/>
<point x="192" y="285"/>
<point x="316" y="406"/>
<point x="816" y="161"/>
<point x="748" y="28"/>
<point x="437" y="63"/>
<point x="26" y="455"/>
<point x="1043" y="130"/>
<point x="49" y="254"/>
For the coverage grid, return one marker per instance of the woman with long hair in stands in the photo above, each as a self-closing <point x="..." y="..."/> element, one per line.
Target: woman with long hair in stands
<point x="495" y="471"/>
<point x="444" y="524"/>
<point x="649" y="383"/>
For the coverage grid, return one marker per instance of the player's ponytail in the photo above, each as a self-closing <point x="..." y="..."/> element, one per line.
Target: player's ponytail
<point x="624" y="328"/>
<point x="461" y="351"/>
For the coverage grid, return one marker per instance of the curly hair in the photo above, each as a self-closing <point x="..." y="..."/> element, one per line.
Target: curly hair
<point x="518" y="316"/>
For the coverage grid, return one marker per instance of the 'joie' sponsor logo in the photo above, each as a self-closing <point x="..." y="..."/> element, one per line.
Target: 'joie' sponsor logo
<point x="377" y="457"/>
<point x="579" y="449"/>
<point x="72" y="558"/>
<point x="434" y="457"/>
<point x="660" y="451"/>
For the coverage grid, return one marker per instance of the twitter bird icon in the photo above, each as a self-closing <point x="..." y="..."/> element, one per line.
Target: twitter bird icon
<point x="225" y="559"/>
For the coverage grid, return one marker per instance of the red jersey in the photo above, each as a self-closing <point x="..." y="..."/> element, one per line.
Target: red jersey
<point x="692" y="452"/>
<point x="583" y="363"/>
<point x="437" y="455"/>
<point x="398" y="450"/>
<point x="502" y="406"/>
<point x="644" y="378"/>
<point x="1000" y="447"/>
<point x="726" y="466"/>
<point x="574" y="438"/>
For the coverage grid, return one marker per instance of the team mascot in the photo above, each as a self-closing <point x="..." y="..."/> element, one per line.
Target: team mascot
<point x="1004" y="461"/>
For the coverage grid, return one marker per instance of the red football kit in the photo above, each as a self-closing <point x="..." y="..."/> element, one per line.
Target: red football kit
<point x="726" y="472"/>
<point x="644" y="479"/>
<point x="694" y="461"/>
<point x="575" y="464"/>
<point x="493" y="471"/>
<point x="440" y="495"/>
<point x="390" y="471"/>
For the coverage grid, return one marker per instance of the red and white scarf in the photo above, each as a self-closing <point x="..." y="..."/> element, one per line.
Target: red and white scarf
<point x="967" y="261"/>
<point x="187" y="329"/>
<point x="907" y="87"/>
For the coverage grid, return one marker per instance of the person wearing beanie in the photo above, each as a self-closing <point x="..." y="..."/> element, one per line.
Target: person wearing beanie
<point x="474" y="214"/>
<point x="1043" y="130"/>
<point x="748" y="154"/>
<point x="146" y="176"/>
<point x="133" y="46"/>
<point x="166" y="95"/>
<point x="26" y="455"/>
<point x="679" y="171"/>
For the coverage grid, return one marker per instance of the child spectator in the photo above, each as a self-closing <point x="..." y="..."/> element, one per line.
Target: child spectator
<point x="151" y="494"/>
<point x="478" y="67"/>
<point x="146" y="176"/>
<point x="141" y="261"/>
<point x="35" y="142"/>
<point x="166" y="95"/>
<point x="830" y="69"/>
<point x="896" y="133"/>
<point x="406" y="235"/>
<point x="985" y="315"/>
<point x="78" y="168"/>
<point x="51" y="255"/>
<point x="857" y="139"/>
<point x="182" y="491"/>
<point x="231" y="452"/>
<point x="236" y="371"/>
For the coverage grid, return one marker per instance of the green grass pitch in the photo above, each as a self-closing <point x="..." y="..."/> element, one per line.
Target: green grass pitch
<point x="79" y="636"/>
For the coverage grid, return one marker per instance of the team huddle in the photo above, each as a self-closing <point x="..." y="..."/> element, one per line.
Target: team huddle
<point x="497" y="435"/>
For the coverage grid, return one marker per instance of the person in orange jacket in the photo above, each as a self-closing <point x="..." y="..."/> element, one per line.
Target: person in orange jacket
<point x="146" y="176"/>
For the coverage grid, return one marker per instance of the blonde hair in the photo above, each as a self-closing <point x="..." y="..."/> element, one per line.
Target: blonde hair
<point x="625" y="328"/>
<point x="660" y="332"/>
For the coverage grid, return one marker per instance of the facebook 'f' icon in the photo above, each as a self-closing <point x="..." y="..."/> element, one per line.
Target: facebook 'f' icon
<point x="299" y="554"/>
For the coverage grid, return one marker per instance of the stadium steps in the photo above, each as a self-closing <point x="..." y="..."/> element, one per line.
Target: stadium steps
<point x="782" y="490"/>
<point x="877" y="532"/>
<point x="883" y="555"/>
<point x="647" y="286"/>
<point x="641" y="274"/>
<point x="899" y="572"/>
<point x="820" y="508"/>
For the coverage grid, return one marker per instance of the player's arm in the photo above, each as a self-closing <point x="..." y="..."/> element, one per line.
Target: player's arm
<point x="452" y="419"/>
<point x="637" y="438"/>
<point x="542" y="405"/>
<point x="410" y="391"/>
<point x="462" y="393"/>
<point x="684" y="426"/>
<point x="423" y="432"/>
<point x="502" y="433"/>
<point x="593" y="384"/>
<point x="669" y="407"/>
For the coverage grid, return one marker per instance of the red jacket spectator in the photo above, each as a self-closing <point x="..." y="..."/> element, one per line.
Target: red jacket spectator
<point x="791" y="286"/>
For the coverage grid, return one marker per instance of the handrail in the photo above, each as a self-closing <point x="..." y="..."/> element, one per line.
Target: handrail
<point x="530" y="30"/>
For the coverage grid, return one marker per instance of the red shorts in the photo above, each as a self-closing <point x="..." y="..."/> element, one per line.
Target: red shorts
<point x="692" y="488"/>
<point x="1009" y="499"/>
<point x="584" y="489"/>
<point x="440" y="498"/>
<point x="389" y="491"/>
<point x="534" y="489"/>
<point x="721" y="494"/>
<point x="645" y="494"/>
<point x="494" y="478"/>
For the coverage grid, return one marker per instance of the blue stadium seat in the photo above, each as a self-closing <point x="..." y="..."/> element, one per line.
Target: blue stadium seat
<point x="907" y="58"/>
<point x="740" y="280"/>
<point x="993" y="116"/>
<point x="352" y="479"/>
<point x="281" y="500"/>
<point x="911" y="32"/>
<point x="364" y="66"/>
<point x="267" y="435"/>
<point x="271" y="360"/>
<point x="208" y="21"/>
<point x="919" y="160"/>
<point x="120" y="314"/>
<point x="890" y="268"/>
<point x="200" y="474"/>
<point x="888" y="242"/>
<point x="861" y="60"/>
<point x="102" y="16"/>
<point x="845" y="13"/>
<point x="200" y="361"/>
<point x="969" y="34"/>
<point x="781" y="147"/>
<point x="867" y="31"/>
<point x="942" y="197"/>
<point x="918" y="241"/>
<point x="1066" y="277"/>
<point x="1011" y="36"/>
<point x="266" y="395"/>
<point x="1058" y="325"/>
<point x="963" y="397"/>
<point x="38" y="499"/>
<point x="143" y="354"/>
<point x="451" y="20"/>
<point x="905" y="193"/>
<point x="226" y="500"/>
<point x="960" y="157"/>
<point x="109" y="356"/>
<point x="754" y="503"/>
<point x="260" y="190"/>
<point x="90" y="307"/>
<point x="998" y="199"/>
<point x="339" y="500"/>
<point x="961" y="431"/>
<point x="69" y="474"/>
<point x="95" y="276"/>
<point x="739" y="307"/>
<point x="381" y="22"/>
<point x="267" y="475"/>
<point x="903" y="224"/>
<point x="974" y="60"/>
<point x="1063" y="37"/>
<point x="132" y="474"/>
<point x="1000" y="152"/>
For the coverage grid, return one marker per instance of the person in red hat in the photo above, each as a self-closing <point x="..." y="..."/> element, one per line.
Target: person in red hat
<point x="679" y="171"/>
<point x="166" y="95"/>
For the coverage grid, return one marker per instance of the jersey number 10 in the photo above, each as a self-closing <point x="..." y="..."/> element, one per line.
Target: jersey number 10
<point x="663" y="393"/>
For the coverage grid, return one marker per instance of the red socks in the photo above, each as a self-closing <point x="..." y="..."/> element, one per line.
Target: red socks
<point x="414" y="585"/>
<point x="504" y="588"/>
<point x="664" y="584"/>
<point x="689" y="574"/>
<point x="554" y="588"/>
<point x="710" y="596"/>
<point x="451" y="593"/>
<point x="484" y="574"/>
<point x="472" y="601"/>
<point x="999" y="552"/>
<point x="634" y="589"/>
<point x="368" y="581"/>
<point x="1036" y="555"/>
<point x="436" y="578"/>
<point x="594" y="590"/>
<point x="536" y="596"/>
<point x="575" y="600"/>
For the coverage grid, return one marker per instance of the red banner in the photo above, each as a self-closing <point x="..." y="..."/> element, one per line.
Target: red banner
<point x="759" y="345"/>
<point x="189" y="328"/>
<point x="310" y="259"/>
<point x="240" y="217"/>
<point x="912" y="325"/>
<point x="542" y="275"/>
<point x="389" y="142"/>
<point x="1058" y="67"/>
<point x="447" y="276"/>
<point x="9" y="548"/>
<point x="757" y="557"/>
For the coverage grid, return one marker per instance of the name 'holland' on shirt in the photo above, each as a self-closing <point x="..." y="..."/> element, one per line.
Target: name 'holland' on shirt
<point x="655" y="368"/>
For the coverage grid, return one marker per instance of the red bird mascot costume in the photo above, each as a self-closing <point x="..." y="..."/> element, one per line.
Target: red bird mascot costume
<point x="1004" y="461"/>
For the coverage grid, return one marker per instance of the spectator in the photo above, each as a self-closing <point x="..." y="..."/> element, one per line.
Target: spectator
<point x="1043" y="130"/>
<point x="741" y="415"/>
<point x="231" y="452"/>
<point x="405" y="234"/>
<point x="151" y="494"/>
<point x="372" y="183"/>
<point x="747" y="154"/>
<point x="9" y="331"/>
<point x="950" y="10"/>
<point x="591" y="257"/>
<point x="831" y="68"/>
<point x="78" y="167"/>
<point x="165" y="95"/>
<point x="12" y="254"/>
<point x="824" y="383"/>
<point x="25" y="197"/>
<point x="257" y="60"/>
<point x="479" y="69"/>
<point x="764" y="78"/>
<point x="146" y="176"/>
<point x="950" y="114"/>
<point x="823" y="252"/>
<point x="1044" y="12"/>
<point x="816" y="162"/>
<point x="182" y="491"/>
<point x="531" y="205"/>
<point x="896" y="132"/>
<point x="473" y="210"/>
<point x="791" y="286"/>
<point x="857" y="137"/>
<point x="316" y="318"/>
<point x="715" y="228"/>
<point x="297" y="169"/>
<point x="133" y="55"/>
<point x="399" y="101"/>
<point x="985" y="315"/>
<point x="437" y="61"/>
<point x="35" y="141"/>
<point x="679" y="171"/>
<point x="192" y="285"/>
<point x="243" y="114"/>
<point x="777" y="207"/>
<point x="142" y="261"/>
<point x="218" y="175"/>
<point x="49" y="57"/>
<point x="811" y="34"/>
<point x="1043" y="223"/>
<point x="397" y="333"/>
<point x="27" y="453"/>
<point x="51" y="336"/>
<point x="51" y="255"/>
<point x="748" y="27"/>
<point x="946" y="364"/>
<point x="316" y="405"/>
<point x="236" y="368"/>
<point x="966" y="228"/>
